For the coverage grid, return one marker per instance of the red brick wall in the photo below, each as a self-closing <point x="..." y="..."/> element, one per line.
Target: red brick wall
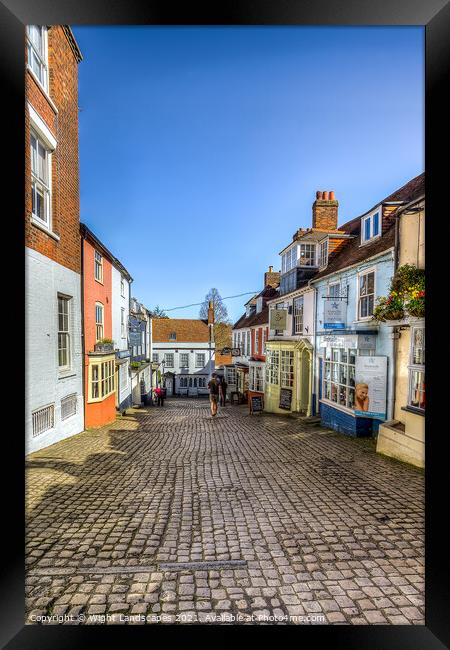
<point x="63" y="90"/>
<point x="325" y="214"/>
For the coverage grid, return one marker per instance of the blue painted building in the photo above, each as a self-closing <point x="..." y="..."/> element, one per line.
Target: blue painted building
<point x="354" y="380"/>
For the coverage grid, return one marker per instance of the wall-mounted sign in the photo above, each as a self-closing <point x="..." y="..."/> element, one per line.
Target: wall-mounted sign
<point x="236" y="352"/>
<point x="334" y="314"/>
<point x="135" y="338"/>
<point x="256" y="404"/>
<point x="370" y="387"/>
<point x="225" y="351"/>
<point x="278" y="319"/>
<point x="285" y="399"/>
<point x="348" y="341"/>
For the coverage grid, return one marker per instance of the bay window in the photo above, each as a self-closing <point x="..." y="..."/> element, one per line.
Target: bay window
<point x="287" y="368"/>
<point x="101" y="379"/>
<point x="323" y="253"/>
<point x="307" y="255"/>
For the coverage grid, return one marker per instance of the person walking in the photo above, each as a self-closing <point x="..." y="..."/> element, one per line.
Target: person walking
<point x="159" y="393"/>
<point x="223" y="391"/>
<point x="213" y="387"/>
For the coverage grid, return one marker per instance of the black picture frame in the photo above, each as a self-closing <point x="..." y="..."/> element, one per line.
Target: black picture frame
<point x="435" y="16"/>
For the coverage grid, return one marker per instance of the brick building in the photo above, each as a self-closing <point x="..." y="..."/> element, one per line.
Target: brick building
<point x="106" y="360"/>
<point x="184" y="348"/>
<point x="54" y="386"/>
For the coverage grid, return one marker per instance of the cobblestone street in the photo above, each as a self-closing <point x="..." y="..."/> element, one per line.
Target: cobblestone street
<point x="170" y="514"/>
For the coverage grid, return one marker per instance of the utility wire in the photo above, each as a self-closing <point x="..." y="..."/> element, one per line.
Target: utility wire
<point x="195" y="304"/>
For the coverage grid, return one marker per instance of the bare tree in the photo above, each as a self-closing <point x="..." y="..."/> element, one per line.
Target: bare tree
<point x="220" y="311"/>
<point x="158" y="312"/>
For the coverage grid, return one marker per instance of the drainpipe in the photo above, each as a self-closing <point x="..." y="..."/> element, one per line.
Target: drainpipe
<point x="83" y="351"/>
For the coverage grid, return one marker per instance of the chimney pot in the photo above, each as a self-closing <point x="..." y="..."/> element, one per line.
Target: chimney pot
<point x="332" y="196"/>
<point x="318" y="194"/>
<point x="325" y="196"/>
<point x="270" y="269"/>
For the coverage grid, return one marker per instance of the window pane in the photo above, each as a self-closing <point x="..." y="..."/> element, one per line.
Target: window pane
<point x="375" y="224"/>
<point x="367" y="229"/>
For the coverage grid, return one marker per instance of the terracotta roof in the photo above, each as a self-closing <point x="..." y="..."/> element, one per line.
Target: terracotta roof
<point x="350" y="252"/>
<point x="187" y="330"/>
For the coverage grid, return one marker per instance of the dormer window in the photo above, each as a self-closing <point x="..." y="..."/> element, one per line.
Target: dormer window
<point x="323" y="253"/>
<point x="172" y="336"/>
<point x="307" y="255"/>
<point x="289" y="260"/>
<point x="370" y="227"/>
<point x="259" y="304"/>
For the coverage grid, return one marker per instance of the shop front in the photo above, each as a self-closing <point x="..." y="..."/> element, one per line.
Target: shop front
<point x="256" y="381"/>
<point x="352" y="382"/>
<point x="288" y="377"/>
<point x="241" y="388"/>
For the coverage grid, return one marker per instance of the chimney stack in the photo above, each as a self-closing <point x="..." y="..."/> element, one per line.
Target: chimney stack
<point x="325" y="211"/>
<point x="271" y="278"/>
<point x="210" y="313"/>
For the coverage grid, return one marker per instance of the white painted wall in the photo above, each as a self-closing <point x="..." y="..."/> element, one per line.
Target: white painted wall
<point x="44" y="385"/>
<point x="191" y="370"/>
<point x="119" y="302"/>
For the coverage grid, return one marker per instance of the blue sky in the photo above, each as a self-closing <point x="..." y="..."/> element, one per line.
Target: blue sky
<point x="201" y="149"/>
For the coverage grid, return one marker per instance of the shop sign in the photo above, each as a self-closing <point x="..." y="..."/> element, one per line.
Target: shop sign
<point x="348" y="341"/>
<point x="334" y="315"/>
<point x="235" y="352"/>
<point x="370" y="387"/>
<point x="225" y="351"/>
<point x="285" y="399"/>
<point x="278" y="319"/>
<point x="256" y="403"/>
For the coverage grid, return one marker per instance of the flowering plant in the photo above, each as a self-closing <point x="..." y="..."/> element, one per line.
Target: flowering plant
<point x="407" y="293"/>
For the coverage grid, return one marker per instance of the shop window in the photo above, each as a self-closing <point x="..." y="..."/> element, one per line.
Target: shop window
<point x="416" y="369"/>
<point x="287" y="368"/>
<point x="339" y="376"/>
<point x="273" y="367"/>
<point x="231" y="376"/>
<point x="256" y="379"/>
<point x="366" y="294"/>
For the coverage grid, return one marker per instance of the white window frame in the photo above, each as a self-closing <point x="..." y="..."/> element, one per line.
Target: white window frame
<point x="286" y="368"/>
<point x="370" y="218"/>
<point x="256" y="378"/>
<point x="323" y="253"/>
<point x="171" y="363"/>
<point x="336" y="283"/>
<point x="155" y="357"/>
<point x="264" y="340"/>
<point x="122" y="323"/>
<point x="42" y="57"/>
<point x="44" y="187"/>
<point x="256" y="341"/>
<point x="184" y="355"/>
<point x="122" y="287"/>
<point x="334" y="357"/>
<point x="249" y="343"/>
<point x="298" y="314"/>
<point x="414" y="367"/>
<point x="65" y="332"/>
<point x="231" y="376"/>
<point x="105" y="378"/>
<point x="259" y="304"/>
<point x="99" y="323"/>
<point x="273" y="367"/>
<point x="98" y="265"/>
<point x="310" y="246"/>
<point x="202" y="362"/>
<point x="358" y="296"/>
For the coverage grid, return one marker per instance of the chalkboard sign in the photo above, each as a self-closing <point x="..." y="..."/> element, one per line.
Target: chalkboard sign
<point x="256" y="403"/>
<point x="285" y="399"/>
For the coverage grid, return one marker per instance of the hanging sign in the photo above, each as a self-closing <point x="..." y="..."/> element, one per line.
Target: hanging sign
<point x="334" y="314"/>
<point x="278" y="319"/>
<point x="370" y="387"/>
